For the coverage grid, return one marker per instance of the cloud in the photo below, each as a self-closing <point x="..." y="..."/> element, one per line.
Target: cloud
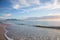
<point x="17" y="6"/>
<point x="54" y="14"/>
<point x="24" y="3"/>
<point x="6" y="15"/>
<point x="55" y="2"/>
<point x="1" y="17"/>
<point x="48" y="6"/>
<point x="36" y="2"/>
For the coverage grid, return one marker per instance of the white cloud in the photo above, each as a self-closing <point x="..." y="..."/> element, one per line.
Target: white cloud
<point x="55" y="2"/>
<point x="50" y="6"/>
<point x="16" y="6"/>
<point x="54" y="14"/>
<point x="1" y="17"/>
<point x="24" y="3"/>
<point x="37" y="2"/>
<point x="6" y="15"/>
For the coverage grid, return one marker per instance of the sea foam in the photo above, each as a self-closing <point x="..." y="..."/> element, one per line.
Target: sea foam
<point x="7" y="36"/>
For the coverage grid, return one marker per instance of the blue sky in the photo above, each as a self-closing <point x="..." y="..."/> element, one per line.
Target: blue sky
<point x="28" y="8"/>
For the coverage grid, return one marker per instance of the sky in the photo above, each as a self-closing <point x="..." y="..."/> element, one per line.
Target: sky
<point x="21" y="9"/>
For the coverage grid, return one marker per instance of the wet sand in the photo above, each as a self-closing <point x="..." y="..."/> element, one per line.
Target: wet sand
<point x="2" y="31"/>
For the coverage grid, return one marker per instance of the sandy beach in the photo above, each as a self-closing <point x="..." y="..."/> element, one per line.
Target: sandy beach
<point x="2" y="31"/>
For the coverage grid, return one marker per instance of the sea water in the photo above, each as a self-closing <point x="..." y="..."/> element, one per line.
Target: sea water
<point x="28" y="32"/>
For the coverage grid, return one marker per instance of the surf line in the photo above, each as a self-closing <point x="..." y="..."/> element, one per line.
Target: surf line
<point x="6" y="35"/>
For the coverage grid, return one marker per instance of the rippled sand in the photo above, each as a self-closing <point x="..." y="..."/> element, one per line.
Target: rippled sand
<point x="24" y="32"/>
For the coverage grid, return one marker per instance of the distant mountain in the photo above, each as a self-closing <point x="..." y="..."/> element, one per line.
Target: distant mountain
<point x="44" y="18"/>
<point x="12" y="20"/>
<point x="37" y="18"/>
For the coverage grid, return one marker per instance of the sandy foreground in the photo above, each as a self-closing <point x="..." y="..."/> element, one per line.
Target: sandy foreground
<point x="2" y="31"/>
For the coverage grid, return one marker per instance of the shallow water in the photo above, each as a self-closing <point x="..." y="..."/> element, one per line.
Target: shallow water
<point x="26" y="32"/>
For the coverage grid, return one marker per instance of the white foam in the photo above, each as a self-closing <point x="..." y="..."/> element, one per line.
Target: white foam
<point x="6" y="35"/>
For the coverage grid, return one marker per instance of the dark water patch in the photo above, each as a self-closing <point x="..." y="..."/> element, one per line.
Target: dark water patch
<point x="52" y="27"/>
<point x="20" y="24"/>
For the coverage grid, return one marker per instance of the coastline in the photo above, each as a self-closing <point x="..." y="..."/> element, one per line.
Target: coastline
<point x="7" y="38"/>
<point x="2" y="31"/>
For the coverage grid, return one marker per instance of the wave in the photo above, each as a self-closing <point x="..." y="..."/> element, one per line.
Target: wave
<point x="7" y="36"/>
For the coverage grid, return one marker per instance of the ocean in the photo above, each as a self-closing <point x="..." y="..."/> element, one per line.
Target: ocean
<point x="24" y="30"/>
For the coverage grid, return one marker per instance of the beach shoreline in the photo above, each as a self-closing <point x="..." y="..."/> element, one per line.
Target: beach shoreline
<point x="2" y="31"/>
